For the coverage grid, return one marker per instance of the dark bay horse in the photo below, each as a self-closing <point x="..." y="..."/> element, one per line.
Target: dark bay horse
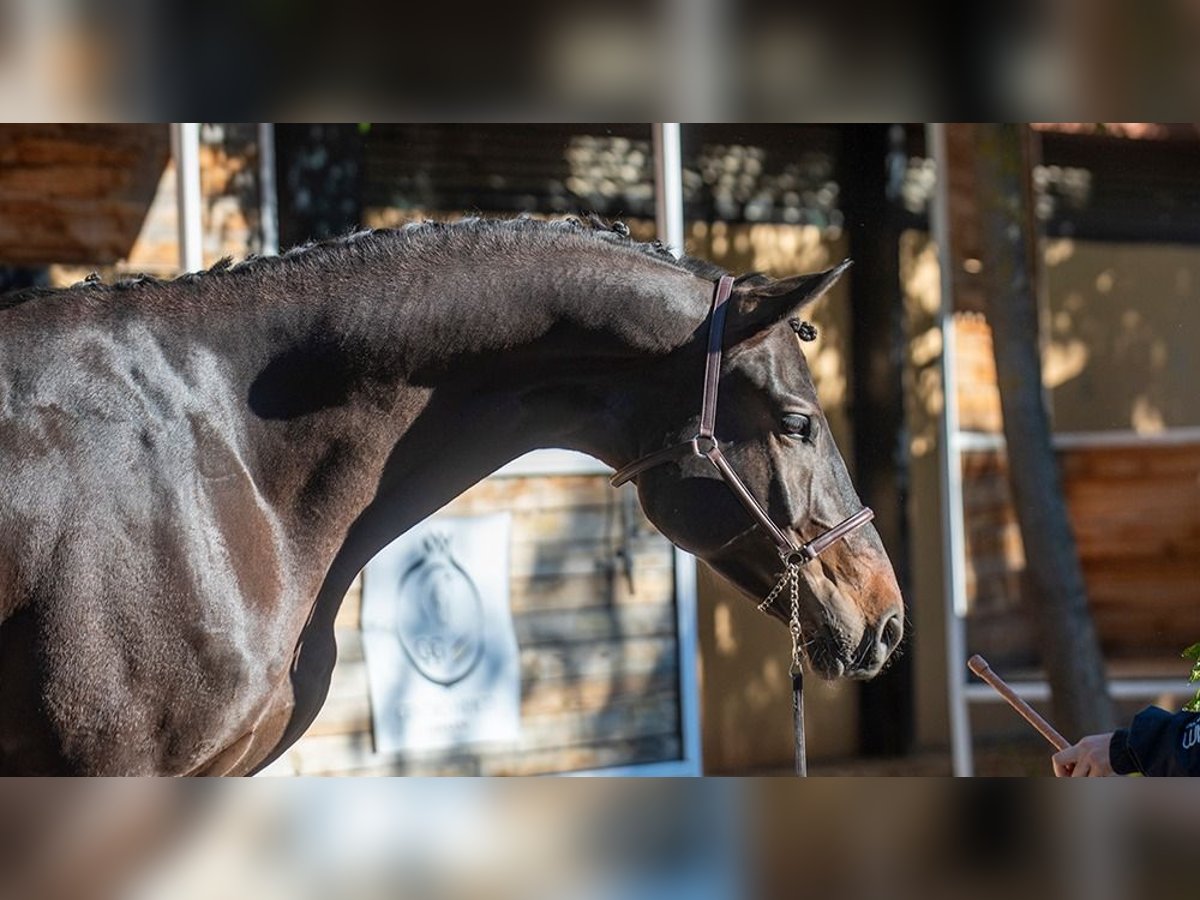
<point x="192" y="472"/>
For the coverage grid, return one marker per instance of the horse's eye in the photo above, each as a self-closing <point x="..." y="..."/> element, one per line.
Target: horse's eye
<point x="798" y="425"/>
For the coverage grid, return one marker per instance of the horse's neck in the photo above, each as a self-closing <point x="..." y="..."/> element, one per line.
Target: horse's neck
<point x="428" y="383"/>
<point x="507" y="314"/>
<point x="537" y="358"/>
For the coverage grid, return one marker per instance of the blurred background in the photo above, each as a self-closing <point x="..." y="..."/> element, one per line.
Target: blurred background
<point x="663" y="839"/>
<point x="632" y="659"/>
<point x="706" y="59"/>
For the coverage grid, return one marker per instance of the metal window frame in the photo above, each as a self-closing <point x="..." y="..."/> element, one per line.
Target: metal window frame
<point x="185" y="151"/>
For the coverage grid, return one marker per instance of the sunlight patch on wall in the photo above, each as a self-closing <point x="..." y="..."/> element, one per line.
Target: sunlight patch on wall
<point x="727" y="642"/>
<point x="1058" y="251"/>
<point x="1062" y="361"/>
<point x="1145" y="417"/>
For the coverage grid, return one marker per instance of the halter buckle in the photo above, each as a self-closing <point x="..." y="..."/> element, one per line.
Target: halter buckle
<point x="798" y="557"/>
<point x="703" y="445"/>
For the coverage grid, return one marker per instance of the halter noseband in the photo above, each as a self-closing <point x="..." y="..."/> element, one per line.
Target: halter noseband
<point x="704" y="444"/>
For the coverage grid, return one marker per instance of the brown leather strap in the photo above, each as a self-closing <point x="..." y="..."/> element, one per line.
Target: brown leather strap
<point x="657" y="458"/>
<point x="824" y="541"/>
<point x="712" y="362"/>
<point x="748" y="500"/>
<point x="708" y="400"/>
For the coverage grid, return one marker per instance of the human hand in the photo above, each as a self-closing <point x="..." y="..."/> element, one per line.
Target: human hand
<point x="1088" y="758"/>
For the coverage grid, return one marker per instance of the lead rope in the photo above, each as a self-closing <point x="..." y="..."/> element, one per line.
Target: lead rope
<point x="791" y="577"/>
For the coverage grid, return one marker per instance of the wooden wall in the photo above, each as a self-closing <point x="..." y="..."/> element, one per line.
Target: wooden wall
<point x="599" y="683"/>
<point x="1135" y="511"/>
<point x="76" y="193"/>
<point x="230" y="221"/>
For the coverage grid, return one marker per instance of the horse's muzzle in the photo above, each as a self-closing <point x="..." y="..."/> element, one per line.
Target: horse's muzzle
<point x="831" y="658"/>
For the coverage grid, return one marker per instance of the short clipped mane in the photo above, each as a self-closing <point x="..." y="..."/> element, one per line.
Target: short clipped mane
<point x="343" y="251"/>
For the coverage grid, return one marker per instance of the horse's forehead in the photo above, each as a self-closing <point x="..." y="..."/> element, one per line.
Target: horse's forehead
<point x="776" y="362"/>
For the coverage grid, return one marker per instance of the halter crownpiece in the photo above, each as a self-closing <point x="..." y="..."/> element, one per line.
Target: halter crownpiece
<point x="704" y="444"/>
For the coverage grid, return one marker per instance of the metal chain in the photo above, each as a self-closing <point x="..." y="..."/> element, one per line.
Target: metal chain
<point x="794" y="624"/>
<point x="790" y="577"/>
<point x="762" y="607"/>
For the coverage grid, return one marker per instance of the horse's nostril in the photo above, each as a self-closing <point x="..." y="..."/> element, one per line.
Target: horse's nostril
<point x="891" y="632"/>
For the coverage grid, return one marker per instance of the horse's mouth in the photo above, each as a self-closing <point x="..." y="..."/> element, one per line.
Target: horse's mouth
<point x="828" y="668"/>
<point x="825" y="654"/>
<point x="832" y="658"/>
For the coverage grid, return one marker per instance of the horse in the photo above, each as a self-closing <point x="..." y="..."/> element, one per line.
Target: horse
<point x="192" y="471"/>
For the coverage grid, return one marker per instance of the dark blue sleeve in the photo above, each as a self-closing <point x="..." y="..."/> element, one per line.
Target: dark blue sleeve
<point x="1157" y="743"/>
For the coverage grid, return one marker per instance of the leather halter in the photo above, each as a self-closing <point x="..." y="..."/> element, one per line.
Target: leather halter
<point x="704" y="444"/>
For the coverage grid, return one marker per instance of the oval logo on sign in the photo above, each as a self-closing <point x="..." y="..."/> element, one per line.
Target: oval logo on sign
<point x="440" y="619"/>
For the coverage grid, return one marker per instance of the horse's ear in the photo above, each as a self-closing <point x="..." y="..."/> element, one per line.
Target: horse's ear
<point x="757" y="307"/>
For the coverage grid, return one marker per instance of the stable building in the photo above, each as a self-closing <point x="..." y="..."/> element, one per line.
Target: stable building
<point x="618" y="653"/>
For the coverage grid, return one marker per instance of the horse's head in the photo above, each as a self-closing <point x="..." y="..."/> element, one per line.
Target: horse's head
<point x="772" y="431"/>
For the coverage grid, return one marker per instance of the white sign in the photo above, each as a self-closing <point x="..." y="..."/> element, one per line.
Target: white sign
<point x="441" y="651"/>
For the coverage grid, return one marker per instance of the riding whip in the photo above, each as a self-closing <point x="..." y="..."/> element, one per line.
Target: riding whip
<point x="980" y="667"/>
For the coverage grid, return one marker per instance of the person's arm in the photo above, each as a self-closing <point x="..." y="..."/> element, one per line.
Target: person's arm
<point x="1158" y="743"/>
<point x="1155" y="743"/>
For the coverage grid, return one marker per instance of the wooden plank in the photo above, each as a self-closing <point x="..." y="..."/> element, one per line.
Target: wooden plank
<point x="1136" y="516"/>
<point x="539" y="493"/>
<point x="1146" y="668"/>
<point x="349" y="679"/>
<point x="547" y="697"/>
<point x="582" y="558"/>
<point x="1006" y="637"/>
<point x="350" y="712"/>
<point x="76" y="193"/>
<point x="617" y="721"/>
<point x="651" y="585"/>
<point x="600" y="659"/>
<point x="594" y="624"/>
<point x="587" y="523"/>
<point x="603" y="658"/>
<point x="1165" y="460"/>
<point x="654" y="748"/>
<point x="350" y="612"/>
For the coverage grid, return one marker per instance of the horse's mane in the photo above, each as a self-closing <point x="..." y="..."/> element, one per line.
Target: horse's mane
<point x="348" y="247"/>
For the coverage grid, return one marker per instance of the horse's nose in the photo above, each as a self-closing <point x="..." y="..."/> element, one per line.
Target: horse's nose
<point x="878" y="644"/>
<point x="890" y="633"/>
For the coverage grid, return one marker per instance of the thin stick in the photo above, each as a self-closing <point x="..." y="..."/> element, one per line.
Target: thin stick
<point x="980" y="667"/>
